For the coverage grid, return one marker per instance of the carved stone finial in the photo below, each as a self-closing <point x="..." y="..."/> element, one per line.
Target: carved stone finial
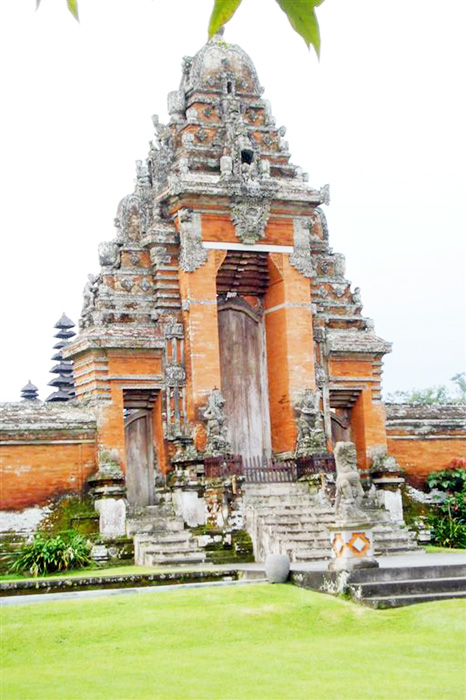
<point x="300" y="258"/>
<point x="193" y="254"/>
<point x="311" y="438"/>
<point x="217" y="443"/>
<point x="349" y="492"/>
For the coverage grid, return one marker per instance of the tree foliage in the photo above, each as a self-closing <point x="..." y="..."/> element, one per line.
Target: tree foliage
<point x="72" y="6"/>
<point x="301" y="15"/>
<point x="433" y="395"/>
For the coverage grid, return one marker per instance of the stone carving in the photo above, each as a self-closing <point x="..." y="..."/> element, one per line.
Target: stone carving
<point x="173" y="329"/>
<point x="320" y="374"/>
<point x="311" y="438"/>
<point x="300" y="258"/>
<point x="192" y="254"/>
<point x="226" y="165"/>
<point x="339" y="265"/>
<point x="356" y="296"/>
<point x="349" y="492"/>
<point x="108" y="253"/>
<point x="127" y="284"/>
<point x="145" y="285"/>
<point x="175" y="375"/>
<point x="217" y="443"/>
<point x="128" y="219"/>
<point x="250" y="216"/>
<point x="176" y="102"/>
<point x="325" y="194"/>
<point x="142" y="175"/>
<point x="89" y="294"/>
<point x="383" y="463"/>
<point x="323" y="222"/>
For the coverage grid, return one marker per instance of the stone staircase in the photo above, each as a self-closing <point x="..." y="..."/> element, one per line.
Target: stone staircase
<point x="396" y="587"/>
<point x="286" y="519"/>
<point x="160" y="538"/>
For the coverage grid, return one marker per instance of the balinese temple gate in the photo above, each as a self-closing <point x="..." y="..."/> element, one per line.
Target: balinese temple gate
<point x="221" y="321"/>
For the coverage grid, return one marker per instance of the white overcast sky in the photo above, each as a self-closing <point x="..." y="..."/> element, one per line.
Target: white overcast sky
<point x="381" y="118"/>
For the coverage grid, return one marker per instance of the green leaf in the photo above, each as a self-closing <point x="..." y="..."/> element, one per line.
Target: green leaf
<point x="303" y="19"/>
<point x="223" y="11"/>
<point x="73" y="8"/>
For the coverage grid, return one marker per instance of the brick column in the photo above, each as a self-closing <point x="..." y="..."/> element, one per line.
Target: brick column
<point x="290" y="355"/>
<point x="199" y="300"/>
<point x="368" y="427"/>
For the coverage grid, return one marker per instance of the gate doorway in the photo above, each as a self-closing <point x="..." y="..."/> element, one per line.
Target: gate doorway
<point x="140" y="451"/>
<point x="244" y="379"/>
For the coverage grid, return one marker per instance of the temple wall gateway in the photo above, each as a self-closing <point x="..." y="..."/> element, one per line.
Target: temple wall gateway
<point x="220" y="324"/>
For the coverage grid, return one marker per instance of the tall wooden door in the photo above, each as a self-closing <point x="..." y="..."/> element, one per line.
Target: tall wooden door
<point x="244" y="381"/>
<point x="140" y="475"/>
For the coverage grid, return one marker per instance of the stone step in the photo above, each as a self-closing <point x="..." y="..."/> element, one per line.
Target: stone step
<point x="303" y="521"/>
<point x="183" y="559"/>
<point x="385" y="589"/>
<point x="175" y="539"/>
<point x="402" y="600"/>
<point x="411" y="572"/>
<point x="156" y="526"/>
<point x="304" y="541"/>
<point x="296" y="529"/>
<point x="166" y="549"/>
<point x="311" y="554"/>
<point x="266" y="490"/>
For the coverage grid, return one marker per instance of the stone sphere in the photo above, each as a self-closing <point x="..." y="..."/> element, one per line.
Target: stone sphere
<point x="277" y="568"/>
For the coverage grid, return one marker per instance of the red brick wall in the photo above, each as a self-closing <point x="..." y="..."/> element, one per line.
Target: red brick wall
<point x="32" y="474"/>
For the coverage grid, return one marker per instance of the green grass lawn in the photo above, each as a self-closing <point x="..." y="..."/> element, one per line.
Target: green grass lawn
<point x="257" y="641"/>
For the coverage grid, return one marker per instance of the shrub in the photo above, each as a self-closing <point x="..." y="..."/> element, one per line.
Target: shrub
<point x="447" y="519"/>
<point x="46" y="555"/>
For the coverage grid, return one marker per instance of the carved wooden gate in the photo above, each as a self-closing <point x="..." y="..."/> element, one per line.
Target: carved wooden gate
<point x="244" y="379"/>
<point x="139" y="457"/>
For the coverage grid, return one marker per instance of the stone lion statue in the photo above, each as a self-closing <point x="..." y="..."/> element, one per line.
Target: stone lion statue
<point x="349" y="492"/>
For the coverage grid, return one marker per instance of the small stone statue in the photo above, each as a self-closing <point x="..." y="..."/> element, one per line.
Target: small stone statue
<point x="349" y="492"/>
<point x="89" y="294"/>
<point x="383" y="463"/>
<point x="311" y="438"/>
<point x="217" y="443"/>
<point x="142" y="175"/>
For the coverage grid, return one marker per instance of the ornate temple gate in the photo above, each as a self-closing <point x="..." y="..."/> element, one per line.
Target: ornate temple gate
<point x="140" y="452"/>
<point x="243" y="279"/>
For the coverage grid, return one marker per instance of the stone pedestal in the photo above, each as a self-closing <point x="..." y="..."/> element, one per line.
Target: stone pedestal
<point x="388" y="496"/>
<point x="112" y="521"/>
<point x="189" y="504"/>
<point x="352" y="546"/>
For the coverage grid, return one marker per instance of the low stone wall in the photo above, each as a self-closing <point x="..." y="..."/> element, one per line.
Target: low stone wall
<point x="425" y="438"/>
<point x="46" y="450"/>
<point x="89" y="583"/>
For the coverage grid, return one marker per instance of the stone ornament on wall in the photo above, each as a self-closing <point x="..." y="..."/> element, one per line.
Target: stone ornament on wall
<point x="311" y="438"/>
<point x="250" y="216"/>
<point x="108" y="254"/>
<point x="175" y="375"/>
<point x="217" y="443"/>
<point x="300" y="258"/>
<point x="192" y="254"/>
